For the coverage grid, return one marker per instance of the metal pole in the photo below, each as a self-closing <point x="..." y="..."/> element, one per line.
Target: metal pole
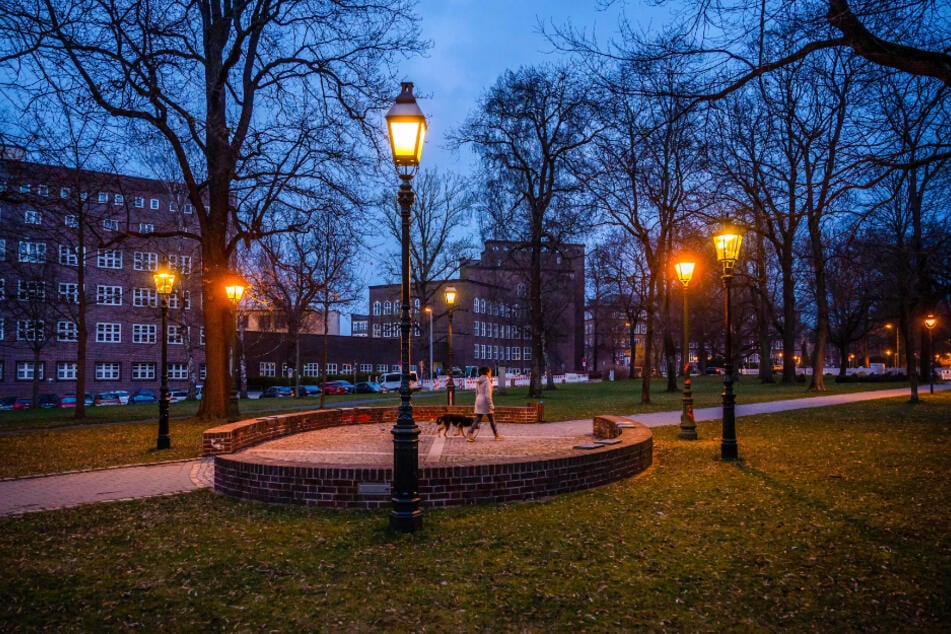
<point x="688" y="425"/>
<point x="728" y="446"/>
<point x="164" y="441"/>
<point x="431" y="377"/>
<point x="406" y="515"/>
<point x="451" y="385"/>
<point x="931" y="359"/>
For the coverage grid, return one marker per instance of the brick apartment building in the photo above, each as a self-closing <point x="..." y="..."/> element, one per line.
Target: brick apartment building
<point x="76" y="242"/>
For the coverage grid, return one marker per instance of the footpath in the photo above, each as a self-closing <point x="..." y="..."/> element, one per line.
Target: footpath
<point x="42" y="493"/>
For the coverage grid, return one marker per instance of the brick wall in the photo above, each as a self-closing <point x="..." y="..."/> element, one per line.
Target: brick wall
<point x="369" y="488"/>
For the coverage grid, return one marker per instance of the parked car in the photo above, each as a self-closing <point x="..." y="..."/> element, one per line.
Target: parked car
<point x="391" y="381"/>
<point x="90" y="399"/>
<point x="368" y="387"/>
<point x="6" y="403"/>
<point x="67" y="400"/>
<point x="48" y="400"/>
<point x="107" y="398"/>
<point x="123" y="396"/>
<point x="309" y="390"/>
<point x="143" y="396"/>
<point x="277" y="391"/>
<point x="23" y="402"/>
<point x="338" y="387"/>
<point x="175" y="396"/>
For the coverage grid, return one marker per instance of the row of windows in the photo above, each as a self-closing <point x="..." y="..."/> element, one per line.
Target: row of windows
<point x="104" y="198"/>
<point x="392" y="329"/>
<point x="502" y="353"/>
<point x="106" y="294"/>
<point x="499" y="331"/>
<point x="30" y="252"/>
<point x="106" y="332"/>
<point x="391" y="308"/>
<point x="479" y="306"/>
<point x="104" y="371"/>
<point x="312" y="369"/>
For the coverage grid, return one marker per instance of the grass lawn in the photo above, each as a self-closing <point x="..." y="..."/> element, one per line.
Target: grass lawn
<point x="834" y="520"/>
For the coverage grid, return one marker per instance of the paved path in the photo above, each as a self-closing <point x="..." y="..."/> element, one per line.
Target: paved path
<point x="24" y="495"/>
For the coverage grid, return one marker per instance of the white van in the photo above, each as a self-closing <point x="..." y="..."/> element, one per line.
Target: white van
<point x="391" y="381"/>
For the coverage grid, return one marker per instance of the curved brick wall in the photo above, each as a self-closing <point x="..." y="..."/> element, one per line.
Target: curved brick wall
<point x="368" y="487"/>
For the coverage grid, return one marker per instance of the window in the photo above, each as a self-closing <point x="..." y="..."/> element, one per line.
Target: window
<point x="188" y="209"/>
<point x="118" y="199"/>
<point x="144" y="297"/>
<point x="267" y="368"/>
<point x="3" y="249"/>
<point x="346" y="368"/>
<point x="175" y="334"/>
<point x="31" y="290"/>
<point x="32" y="217"/>
<point x="144" y="261"/>
<point x="144" y="333"/>
<point x="146" y="227"/>
<point x="32" y="252"/>
<point x="181" y="262"/>
<point x="66" y="370"/>
<point x="475" y="353"/>
<point x="25" y="188"/>
<point x="311" y="369"/>
<point x="108" y="332"/>
<point x="109" y="259"/>
<point x="68" y="256"/>
<point x="31" y="330"/>
<point x="2" y="324"/>
<point x="527" y="353"/>
<point x="67" y="330"/>
<point x="172" y="207"/>
<point x="103" y="197"/>
<point x="387" y="307"/>
<point x="64" y="192"/>
<point x="110" y="224"/>
<point x="108" y="295"/>
<point x="376" y="330"/>
<point x="366" y="367"/>
<point x="331" y="368"/>
<point x="180" y="299"/>
<point x="143" y="370"/>
<point x="475" y="305"/>
<point x="25" y="370"/>
<point x="154" y="203"/>
<point x="177" y="371"/>
<point x="388" y="329"/>
<point x="43" y="190"/>
<point x="376" y="307"/>
<point x="71" y="221"/>
<point x="108" y="371"/>
<point x="3" y="289"/>
<point x="203" y="372"/>
<point x="139" y="202"/>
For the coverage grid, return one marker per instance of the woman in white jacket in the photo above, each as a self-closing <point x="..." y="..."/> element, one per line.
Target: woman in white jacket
<point x="483" y="404"/>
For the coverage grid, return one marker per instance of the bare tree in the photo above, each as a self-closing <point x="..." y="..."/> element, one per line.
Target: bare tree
<point x="527" y="130"/>
<point x="261" y="102"/>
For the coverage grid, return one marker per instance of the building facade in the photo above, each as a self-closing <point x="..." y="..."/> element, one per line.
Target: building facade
<point x="77" y="253"/>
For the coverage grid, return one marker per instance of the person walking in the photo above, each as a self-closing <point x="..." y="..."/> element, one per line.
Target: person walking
<point x="484" y="406"/>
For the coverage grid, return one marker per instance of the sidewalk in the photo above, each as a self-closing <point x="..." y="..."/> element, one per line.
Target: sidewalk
<point x="24" y="495"/>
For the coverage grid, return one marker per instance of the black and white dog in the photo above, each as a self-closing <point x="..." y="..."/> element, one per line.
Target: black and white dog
<point x="460" y="422"/>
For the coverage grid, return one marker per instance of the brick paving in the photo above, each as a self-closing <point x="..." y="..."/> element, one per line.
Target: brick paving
<point x="354" y="446"/>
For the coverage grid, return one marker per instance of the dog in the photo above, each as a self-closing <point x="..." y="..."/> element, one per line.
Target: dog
<point x="460" y="422"/>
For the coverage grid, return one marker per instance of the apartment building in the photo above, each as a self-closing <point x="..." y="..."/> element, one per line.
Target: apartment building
<point x="77" y="253"/>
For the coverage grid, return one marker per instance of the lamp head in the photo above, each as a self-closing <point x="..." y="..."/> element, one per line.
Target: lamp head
<point x="930" y="322"/>
<point x="164" y="279"/>
<point x="406" y="124"/>
<point x="727" y="243"/>
<point x="450" y="295"/>
<point x="685" y="269"/>
<point x="234" y="288"/>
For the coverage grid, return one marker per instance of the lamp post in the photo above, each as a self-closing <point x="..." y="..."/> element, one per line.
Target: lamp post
<point x="234" y="290"/>
<point x="897" y="344"/>
<point x="164" y="280"/>
<point x="727" y="243"/>
<point x="407" y="129"/>
<point x="450" y="295"/>
<point x="930" y="323"/>
<point x="688" y="425"/>
<point x="429" y="309"/>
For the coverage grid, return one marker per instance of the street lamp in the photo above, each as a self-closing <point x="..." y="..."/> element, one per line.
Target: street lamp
<point x="930" y="323"/>
<point x="407" y="129"/>
<point x="429" y="309"/>
<point x="727" y="244"/>
<point x="688" y="425"/>
<point x="450" y="295"/>
<point x="897" y="345"/>
<point x="234" y="290"/>
<point x="164" y="279"/>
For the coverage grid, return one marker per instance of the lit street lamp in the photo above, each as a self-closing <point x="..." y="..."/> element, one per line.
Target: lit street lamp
<point x="407" y="129"/>
<point x="688" y="425"/>
<point x="164" y="280"/>
<point x="234" y="290"/>
<point x="727" y="243"/>
<point x="450" y="296"/>
<point x="897" y="345"/>
<point x="930" y="323"/>
<point x="429" y="309"/>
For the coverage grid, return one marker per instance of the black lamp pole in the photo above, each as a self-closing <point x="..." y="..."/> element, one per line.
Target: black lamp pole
<point x="688" y="424"/>
<point x="164" y="441"/>
<point x="407" y="128"/>
<point x="930" y="323"/>
<point x="451" y="385"/>
<point x="727" y="243"/>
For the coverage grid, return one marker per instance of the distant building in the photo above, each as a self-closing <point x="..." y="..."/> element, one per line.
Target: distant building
<point x="71" y="238"/>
